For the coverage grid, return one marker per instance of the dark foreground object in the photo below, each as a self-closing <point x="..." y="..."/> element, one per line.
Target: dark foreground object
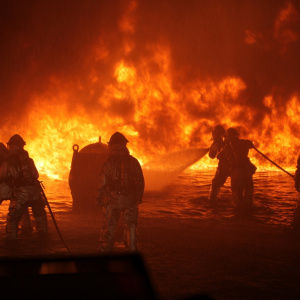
<point x="104" y="277"/>
<point x="83" y="177"/>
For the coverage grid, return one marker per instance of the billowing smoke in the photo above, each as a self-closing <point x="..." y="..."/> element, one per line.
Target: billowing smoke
<point x="46" y="42"/>
<point x="257" y="41"/>
<point x="68" y="52"/>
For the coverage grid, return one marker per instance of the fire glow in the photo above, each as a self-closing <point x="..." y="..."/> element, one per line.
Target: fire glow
<point x="145" y="99"/>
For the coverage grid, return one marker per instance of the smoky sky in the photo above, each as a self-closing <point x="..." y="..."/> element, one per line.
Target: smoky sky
<point x="48" y="41"/>
<point x="208" y="41"/>
<point x="41" y="39"/>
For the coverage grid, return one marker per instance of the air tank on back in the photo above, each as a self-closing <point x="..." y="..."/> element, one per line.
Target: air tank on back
<point x="83" y="177"/>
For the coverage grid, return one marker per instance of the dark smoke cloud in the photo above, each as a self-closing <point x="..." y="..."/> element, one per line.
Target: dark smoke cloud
<point x="46" y="42"/>
<point x="42" y="40"/>
<point x="207" y="39"/>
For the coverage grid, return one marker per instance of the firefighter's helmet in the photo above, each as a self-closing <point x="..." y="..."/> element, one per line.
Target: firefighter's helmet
<point x="218" y="131"/>
<point x="16" y="140"/>
<point x="118" y="138"/>
<point x="232" y="132"/>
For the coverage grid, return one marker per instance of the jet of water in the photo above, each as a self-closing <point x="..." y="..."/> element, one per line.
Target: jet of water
<point x="159" y="172"/>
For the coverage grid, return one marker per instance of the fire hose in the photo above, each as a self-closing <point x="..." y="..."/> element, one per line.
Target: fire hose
<point x="52" y="216"/>
<point x="273" y="162"/>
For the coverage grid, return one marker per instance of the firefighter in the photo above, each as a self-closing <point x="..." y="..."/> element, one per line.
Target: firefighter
<point x="5" y="190"/>
<point x="241" y="169"/>
<point x="222" y="171"/>
<point x="120" y="191"/>
<point x="5" y="194"/>
<point x="20" y="173"/>
<point x="296" y="216"/>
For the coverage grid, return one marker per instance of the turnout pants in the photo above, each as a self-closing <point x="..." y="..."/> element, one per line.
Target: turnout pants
<point x="22" y="198"/>
<point x="242" y="190"/>
<point x="108" y="231"/>
<point x="217" y="182"/>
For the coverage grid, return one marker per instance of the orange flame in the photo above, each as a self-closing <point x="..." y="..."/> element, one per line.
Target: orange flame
<point x="141" y="100"/>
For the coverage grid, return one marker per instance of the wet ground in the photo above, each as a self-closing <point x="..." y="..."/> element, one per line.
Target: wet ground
<point x="190" y="247"/>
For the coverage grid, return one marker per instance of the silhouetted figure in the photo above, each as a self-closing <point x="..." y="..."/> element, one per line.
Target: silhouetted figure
<point x="5" y="190"/>
<point x="222" y="171"/>
<point x="241" y="169"/>
<point x="6" y="193"/>
<point x="121" y="189"/>
<point x="20" y="173"/>
<point x="296" y="216"/>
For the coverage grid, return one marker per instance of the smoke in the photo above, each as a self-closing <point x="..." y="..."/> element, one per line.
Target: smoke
<point x="46" y="42"/>
<point x="257" y="41"/>
<point x="74" y="47"/>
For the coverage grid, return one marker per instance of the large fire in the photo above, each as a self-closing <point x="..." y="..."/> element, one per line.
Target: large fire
<point x="140" y="91"/>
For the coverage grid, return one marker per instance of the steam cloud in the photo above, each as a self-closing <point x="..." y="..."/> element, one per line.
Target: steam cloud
<point x="52" y="46"/>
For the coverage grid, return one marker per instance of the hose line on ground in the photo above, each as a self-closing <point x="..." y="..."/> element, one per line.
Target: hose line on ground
<point x="52" y="216"/>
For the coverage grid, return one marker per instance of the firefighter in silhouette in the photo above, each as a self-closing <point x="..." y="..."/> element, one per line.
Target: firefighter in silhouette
<point x="6" y="192"/>
<point x="120" y="191"/>
<point x="296" y="216"/>
<point x="20" y="173"/>
<point x="222" y="171"/>
<point x="241" y="169"/>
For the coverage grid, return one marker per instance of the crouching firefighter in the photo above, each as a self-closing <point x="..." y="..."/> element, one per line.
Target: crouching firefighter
<point x="20" y="173"/>
<point x="120" y="191"/>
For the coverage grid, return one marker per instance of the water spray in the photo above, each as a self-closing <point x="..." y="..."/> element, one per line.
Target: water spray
<point x="159" y="172"/>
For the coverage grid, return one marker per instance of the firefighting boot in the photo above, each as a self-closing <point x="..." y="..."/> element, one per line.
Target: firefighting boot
<point x="213" y="194"/>
<point x="11" y="230"/>
<point x="41" y="224"/>
<point x="106" y="240"/>
<point x="248" y="198"/>
<point x="26" y="225"/>
<point x="130" y="237"/>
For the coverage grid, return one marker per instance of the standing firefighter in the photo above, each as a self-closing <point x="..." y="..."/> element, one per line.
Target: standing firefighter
<point x="296" y="217"/>
<point x="241" y="169"/>
<point x="20" y="173"/>
<point x="5" y="190"/>
<point x="222" y="171"/>
<point x="121" y="189"/>
<point x="6" y="193"/>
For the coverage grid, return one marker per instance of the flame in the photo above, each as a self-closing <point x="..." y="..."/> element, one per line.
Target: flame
<point x="140" y="93"/>
<point x="125" y="74"/>
<point x="153" y="102"/>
